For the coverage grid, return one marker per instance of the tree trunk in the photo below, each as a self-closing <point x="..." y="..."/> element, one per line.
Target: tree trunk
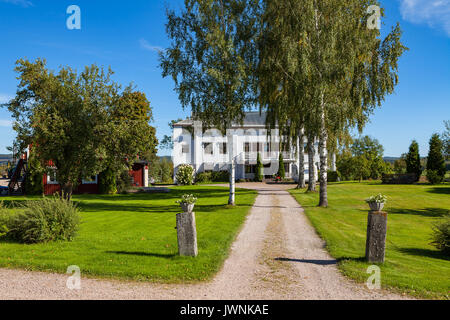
<point x="230" y="139"/>
<point x="301" y="166"/>
<point x="311" y="165"/>
<point x="323" y="137"/>
<point x="66" y="191"/>
<point x="231" y="200"/>
<point x="333" y="162"/>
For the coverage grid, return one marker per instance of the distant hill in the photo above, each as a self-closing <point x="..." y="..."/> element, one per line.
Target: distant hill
<point x="391" y="159"/>
<point x="168" y="158"/>
<point x="5" y="158"/>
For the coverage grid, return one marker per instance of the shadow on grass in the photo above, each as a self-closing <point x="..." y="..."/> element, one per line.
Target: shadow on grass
<point x="317" y="262"/>
<point x="442" y="190"/>
<point x="426" y="212"/>
<point x="425" y="253"/>
<point x="143" y="254"/>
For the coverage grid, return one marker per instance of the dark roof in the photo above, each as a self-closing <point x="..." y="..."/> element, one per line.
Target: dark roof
<point x="251" y="119"/>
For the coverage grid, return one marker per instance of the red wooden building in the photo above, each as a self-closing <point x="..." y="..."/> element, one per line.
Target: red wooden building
<point x="138" y="174"/>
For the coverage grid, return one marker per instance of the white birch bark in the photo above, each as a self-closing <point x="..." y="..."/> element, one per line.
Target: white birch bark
<point x="301" y="161"/>
<point x="311" y="165"/>
<point x="323" y="137"/>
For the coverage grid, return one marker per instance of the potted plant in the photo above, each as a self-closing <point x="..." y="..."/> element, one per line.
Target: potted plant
<point x="187" y="202"/>
<point x="376" y="203"/>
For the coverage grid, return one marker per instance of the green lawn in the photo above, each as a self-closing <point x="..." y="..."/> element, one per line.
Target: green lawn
<point x="134" y="237"/>
<point x="412" y="264"/>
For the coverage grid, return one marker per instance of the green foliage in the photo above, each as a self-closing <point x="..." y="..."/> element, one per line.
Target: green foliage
<point x="364" y="162"/>
<point x="413" y="160"/>
<point x="123" y="181"/>
<point x="400" y="165"/>
<point x="210" y="59"/>
<point x="446" y="139"/>
<point x="203" y="177"/>
<point x="187" y="199"/>
<point x="79" y="118"/>
<point x="34" y="182"/>
<point x="441" y="235"/>
<point x="185" y="175"/>
<point x="259" y="169"/>
<point x="281" y="171"/>
<point x="107" y="182"/>
<point x="379" y="198"/>
<point x="161" y="170"/>
<point x="212" y="176"/>
<point x="167" y="143"/>
<point x="434" y="177"/>
<point x="333" y="176"/>
<point x="436" y="161"/>
<point x="4" y="220"/>
<point x="49" y="219"/>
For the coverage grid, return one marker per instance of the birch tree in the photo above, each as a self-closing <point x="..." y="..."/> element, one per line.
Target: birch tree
<point x="211" y="61"/>
<point x="336" y="69"/>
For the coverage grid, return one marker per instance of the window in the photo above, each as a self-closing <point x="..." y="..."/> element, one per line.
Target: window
<point x="208" y="148"/>
<point x="287" y="168"/>
<point x="247" y="147"/>
<point x="250" y="169"/>
<point x="222" y="147"/>
<point x="90" y="180"/>
<point x="185" y="148"/>
<point x="51" y="177"/>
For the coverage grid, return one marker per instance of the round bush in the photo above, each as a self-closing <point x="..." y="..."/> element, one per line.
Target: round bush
<point x="49" y="219"/>
<point x="203" y="177"/>
<point x="185" y="175"/>
<point x="434" y="177"/>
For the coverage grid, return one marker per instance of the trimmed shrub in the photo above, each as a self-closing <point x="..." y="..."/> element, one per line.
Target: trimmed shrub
<point x="220" y="176"/>
<point x="333" y="176"/>
<point x="107" y="182"/>
<point x="436" y="161"/>
<point x="441" y="235"/>
<point x="281" y="171"/>
<point x="185" y="175"/>
<point x="203" y="177"/>
<point x="259" y="169"/>
<point x="49" y="219"/>
<point x="434" y="177"/>
<point x="212" y="176"/>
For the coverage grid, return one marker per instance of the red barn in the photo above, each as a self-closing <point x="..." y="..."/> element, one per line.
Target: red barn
<point x="138" y="174"/>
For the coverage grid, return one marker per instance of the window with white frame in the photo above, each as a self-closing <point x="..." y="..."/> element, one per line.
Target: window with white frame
<point x="90" y="180"/>
<point x="208" y="148"/>
<point x="185" y="149"/>
<point x="222" y="148"/>
<point x="51" y="176"/>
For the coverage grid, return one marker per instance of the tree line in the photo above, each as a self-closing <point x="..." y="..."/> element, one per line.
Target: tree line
<point x="314" y="67"/>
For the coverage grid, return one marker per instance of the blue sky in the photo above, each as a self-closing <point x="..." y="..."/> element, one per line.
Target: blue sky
<point x="127" y="34"/>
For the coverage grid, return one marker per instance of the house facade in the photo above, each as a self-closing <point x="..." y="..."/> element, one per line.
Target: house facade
<point x="210" y="150"/>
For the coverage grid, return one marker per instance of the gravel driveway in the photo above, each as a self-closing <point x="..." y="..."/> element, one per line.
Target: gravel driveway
<point x="277" y="255"/>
